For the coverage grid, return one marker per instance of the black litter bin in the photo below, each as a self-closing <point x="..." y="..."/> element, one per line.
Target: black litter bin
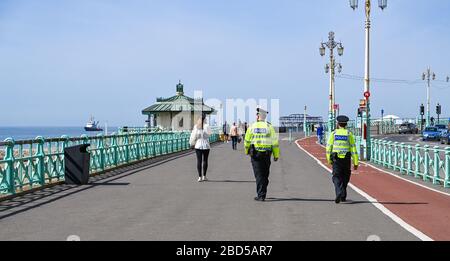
<point x="76" y="160"/>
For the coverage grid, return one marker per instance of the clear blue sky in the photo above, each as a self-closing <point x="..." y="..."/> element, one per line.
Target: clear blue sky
<point x="61" y="61"/>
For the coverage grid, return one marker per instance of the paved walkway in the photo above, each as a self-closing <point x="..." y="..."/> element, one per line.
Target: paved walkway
<point x="421" y="208"/>
<point x="163" y="201"/>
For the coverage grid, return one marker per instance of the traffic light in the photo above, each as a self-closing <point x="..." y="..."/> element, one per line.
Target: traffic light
<point x="359" y="112"/>
<point x="422" y="110"/>
<point x="438" y="109"/>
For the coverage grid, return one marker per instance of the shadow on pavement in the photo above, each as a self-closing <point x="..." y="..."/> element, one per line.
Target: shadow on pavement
<point x="231" y="181"/>
<point x="349" y="202"/>
<point x="45" y="196"/>
<point x="298" y="199"/>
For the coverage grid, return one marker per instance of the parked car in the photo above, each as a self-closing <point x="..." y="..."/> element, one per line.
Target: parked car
<point x="431" y="133"/>
<point x="442" y="129"/>
<point x="406" y="128"/>
<point x="445" y="139"/>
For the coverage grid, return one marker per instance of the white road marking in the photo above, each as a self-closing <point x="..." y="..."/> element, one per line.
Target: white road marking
<point x="399" y="177"/>
<point x="73" y="238"/>
<point x="375" y="202"/>
<point x="407" y="180"/>
<point x="373" y="238"/>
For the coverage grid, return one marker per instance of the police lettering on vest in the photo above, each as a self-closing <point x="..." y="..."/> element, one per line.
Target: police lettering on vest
<point x="342" y="142"/>
<point x="263" y="136"/>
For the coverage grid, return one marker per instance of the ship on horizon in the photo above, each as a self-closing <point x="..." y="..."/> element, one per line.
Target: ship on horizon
<point x="92" y="125"/>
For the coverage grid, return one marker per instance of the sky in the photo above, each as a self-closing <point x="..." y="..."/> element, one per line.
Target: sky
<point x="62" y="61"/>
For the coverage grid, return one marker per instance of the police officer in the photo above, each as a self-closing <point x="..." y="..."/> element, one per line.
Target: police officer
<point x="261" y="142"/>
<point x="341" y="149"/>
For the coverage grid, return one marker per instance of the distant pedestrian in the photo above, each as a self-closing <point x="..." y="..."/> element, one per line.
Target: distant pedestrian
<point x="225" y="129"/>
<point x="200" y="141"/>
<point x="320" y="134"/>
<point x="234" y="133"/>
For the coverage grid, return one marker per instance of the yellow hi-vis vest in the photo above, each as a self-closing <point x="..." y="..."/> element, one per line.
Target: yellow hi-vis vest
<point x="342" y="141"/>
<point x="263" y="136"/>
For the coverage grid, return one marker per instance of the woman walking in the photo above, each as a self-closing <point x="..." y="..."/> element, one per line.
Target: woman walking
<point x="234" y="132"/>
<point x="200" y="141"/>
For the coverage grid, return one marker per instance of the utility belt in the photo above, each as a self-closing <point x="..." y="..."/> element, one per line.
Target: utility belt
<point x="254" y="153"/>
<point x="335" y="157"/>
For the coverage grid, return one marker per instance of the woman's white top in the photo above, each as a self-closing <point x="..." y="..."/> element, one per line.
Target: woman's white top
<point x="200" y="138"/>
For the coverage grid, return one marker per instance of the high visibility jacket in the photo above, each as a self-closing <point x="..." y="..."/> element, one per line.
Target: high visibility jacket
<point x="342" y="141"/>
<point x="263" y="136"/>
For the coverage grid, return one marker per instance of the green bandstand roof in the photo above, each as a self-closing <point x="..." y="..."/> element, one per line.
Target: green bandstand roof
<point x="177" y="103"/>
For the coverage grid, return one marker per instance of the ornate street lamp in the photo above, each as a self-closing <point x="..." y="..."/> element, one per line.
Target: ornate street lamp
<point x="428" y="76"/>
<point x="382" y="4"/>
<point x="330" y="68"/>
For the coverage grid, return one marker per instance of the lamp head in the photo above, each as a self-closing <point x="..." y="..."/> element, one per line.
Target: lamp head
<point x="340" y="49"/>
<point x="382" y="4"/>
<point x="354" y="4"/>
<point x="322" y="50"/>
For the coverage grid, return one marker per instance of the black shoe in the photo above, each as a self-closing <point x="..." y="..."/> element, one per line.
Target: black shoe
<point x="260" y="199"/>
<point x="343" y="199"/>
<point x="337" y="200"/>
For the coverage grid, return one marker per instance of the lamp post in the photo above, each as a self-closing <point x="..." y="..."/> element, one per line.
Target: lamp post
<point x="331" y="68"/>
<point x="382" y="4"/>
<point x="305" y="129"/>
<point x="438" y="112"/>
<point x="428" y="76"/>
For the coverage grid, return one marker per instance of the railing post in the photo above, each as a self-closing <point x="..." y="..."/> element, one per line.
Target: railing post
<point x="389" y="145"/>
<point x="152" y="145"/>
<point x="437" y="160"/>
<point x="114" y="148"/>
<point x="40" y="155"/>
<point x="447" y="168"/>
<point x="101" y="151"/>
<point x="417" y="158"/>
<point x="65" y="144"/>
<point x="9" y="158"/>
<point x="146" y="141"/>
<point x="373" y="150"/>
<point x="126" y="147"/>
<point x="409" y="171"/>
<point x="426" y="162"/>
<point x="402" y="158"/>
<point x="395" y="155"/>
<point x="177" y="136"/>
<point x="156" y="144"/>
<point x="138" y="143"/>
<point x="166" y="141"/>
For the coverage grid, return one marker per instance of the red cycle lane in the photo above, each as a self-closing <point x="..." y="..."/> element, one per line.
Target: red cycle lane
<point x="424" y="209"/>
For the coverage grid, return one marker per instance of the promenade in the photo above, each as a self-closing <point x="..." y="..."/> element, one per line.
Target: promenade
<point x="163" y="201"/>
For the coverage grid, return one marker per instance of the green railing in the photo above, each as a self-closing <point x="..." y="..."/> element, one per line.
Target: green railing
<point x="34" y="163"/>
<point x="385" y="127"/>
<point x="424" y="162"/>
<point x="123" y="130"/>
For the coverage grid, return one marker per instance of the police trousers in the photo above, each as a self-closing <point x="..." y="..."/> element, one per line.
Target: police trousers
<point x="261" y="168"/>
<point x="341" y="175"/>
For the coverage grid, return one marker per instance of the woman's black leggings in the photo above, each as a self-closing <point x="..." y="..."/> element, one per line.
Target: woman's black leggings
<point x="202" y="157"/>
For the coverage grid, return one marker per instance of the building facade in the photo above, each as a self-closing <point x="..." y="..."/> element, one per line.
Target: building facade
<point x="295" y="121"/>
<point x="177" y="113"/>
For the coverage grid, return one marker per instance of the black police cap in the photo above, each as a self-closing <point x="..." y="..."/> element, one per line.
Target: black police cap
<point x="343" y="119"/>
<point x="261" y="111"/>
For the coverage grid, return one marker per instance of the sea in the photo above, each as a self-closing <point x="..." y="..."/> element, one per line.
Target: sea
<point x="27" y="133"/>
